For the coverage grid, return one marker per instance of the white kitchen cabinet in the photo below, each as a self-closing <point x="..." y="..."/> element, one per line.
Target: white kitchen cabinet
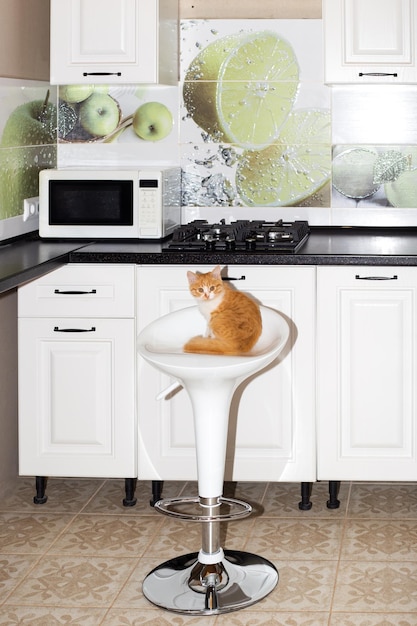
<point x="370" y="41"/>
<point x="366" y="373"/>
<point x="272" y="428"/>
<point x="76" y="333"/>
<point x="114" y="41"/>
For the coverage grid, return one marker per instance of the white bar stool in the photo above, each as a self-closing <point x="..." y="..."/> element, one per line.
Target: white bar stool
<point x="213" y="580"/>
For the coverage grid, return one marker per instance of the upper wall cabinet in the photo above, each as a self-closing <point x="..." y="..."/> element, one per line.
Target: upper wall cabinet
<point x="114" y="41"/>
<point x="370" y="41"/>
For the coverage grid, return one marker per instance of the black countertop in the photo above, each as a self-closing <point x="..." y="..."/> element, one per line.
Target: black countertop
<point x="30" y="258"/>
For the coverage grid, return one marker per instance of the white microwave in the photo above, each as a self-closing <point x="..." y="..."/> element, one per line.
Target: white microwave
<point x="109" y="204"/>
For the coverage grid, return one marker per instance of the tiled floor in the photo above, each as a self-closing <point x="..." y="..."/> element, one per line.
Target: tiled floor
<point x="79" y="559"/>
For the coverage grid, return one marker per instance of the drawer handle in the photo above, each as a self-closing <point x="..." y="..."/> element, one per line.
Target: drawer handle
<point x="74" y="293"/>
<point x="74" y="330"/>
<point x="102" y="73"/>
<point x="395" y="277"/>
<point x="231" y="278"/>
<point x="378" y="74"/>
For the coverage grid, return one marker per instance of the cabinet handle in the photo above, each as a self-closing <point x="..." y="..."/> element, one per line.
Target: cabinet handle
<point x="102" y="73"/>
<point x="74" y="293"/>
<point x="74" y="330"/>
<point x="378" y="74"/>
<point x="231" y="278"/>
<point x="395" y="277"/>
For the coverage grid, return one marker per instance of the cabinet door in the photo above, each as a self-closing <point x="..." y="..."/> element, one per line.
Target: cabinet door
<point x="76" y="397"/>
<point x="367" y="373"/>
<point x="370" y="41"/>
<point x="271" y="427"/>
<point x="102" y="41"/>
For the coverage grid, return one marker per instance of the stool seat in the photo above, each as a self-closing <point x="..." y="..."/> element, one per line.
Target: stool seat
<point x="211" y="581"/>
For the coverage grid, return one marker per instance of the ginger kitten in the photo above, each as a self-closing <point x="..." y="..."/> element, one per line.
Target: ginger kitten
<point x="234" y="322"/>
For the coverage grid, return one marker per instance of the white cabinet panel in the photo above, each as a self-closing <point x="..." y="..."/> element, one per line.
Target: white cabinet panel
<point x="81" y="290"/>
<point x="77" y="367"/>
<point x="366" y="373"/>
<point x="271" y="428"/>
<point x="114" y="41"/>
<point x="76" y="397"/>
<point x="370" y="41"/>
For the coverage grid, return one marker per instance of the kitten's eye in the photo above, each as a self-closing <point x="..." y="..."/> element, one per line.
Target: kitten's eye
<point x="211" y="288"/>
<point x="200" y="289"/>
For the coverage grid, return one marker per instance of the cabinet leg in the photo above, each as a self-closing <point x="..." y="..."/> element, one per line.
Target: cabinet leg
<point x="40" y="497"/>
<point x="156" y="491"/>
<point x="333" y="502"/>
<point x="130" y="487"/>
<point x="305" y="504"/>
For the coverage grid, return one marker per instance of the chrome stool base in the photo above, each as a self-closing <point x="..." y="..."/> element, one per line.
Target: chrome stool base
<point x="185" y="585"/>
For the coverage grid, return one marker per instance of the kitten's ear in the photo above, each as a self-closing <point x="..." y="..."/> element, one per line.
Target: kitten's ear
<point x="217" y="272"/>
<point x="191" y="277"/>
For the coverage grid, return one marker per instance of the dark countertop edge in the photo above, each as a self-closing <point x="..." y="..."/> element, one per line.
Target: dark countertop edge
<point x="21" y="277"/>
<point x="143" y="258"/>
<point x="30" y="258"/>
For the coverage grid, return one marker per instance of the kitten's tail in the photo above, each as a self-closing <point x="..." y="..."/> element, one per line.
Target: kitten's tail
<point x="209" y="345"/>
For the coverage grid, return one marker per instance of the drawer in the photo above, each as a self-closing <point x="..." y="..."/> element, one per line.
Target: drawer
<point x="80" y="290"/>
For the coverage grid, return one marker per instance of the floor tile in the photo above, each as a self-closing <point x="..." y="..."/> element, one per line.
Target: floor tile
<point x="376" y="586"/>
<point x="393" y="500"/>
<point x="30" y="533"/>
<point x="81" y="558"/>
<point x="50" y="616"/>
<point x="296" y="538"/>
<point x="131" y="617"/>
<point x="369" y="619"/>
<point x="13" y="568"/>
<point x="109" y="499"/>
<point x="303" y="586"/>
<point x="131" y="596"/>
<point x="380" y="540"/>
<point x="107" y="535"/>
<point x="175" y="538"/>
<point x="73" y="582"/>
<point x="64" y="495"/>
<point x="281" y="500"/>
<point x="253" y="617"/>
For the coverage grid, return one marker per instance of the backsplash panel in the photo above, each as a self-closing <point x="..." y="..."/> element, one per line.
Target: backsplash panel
<point x="28" y="134"/>
<point x="281" y="170"/>
<point x="255" y="115"/>
<point x="96" y="126"/>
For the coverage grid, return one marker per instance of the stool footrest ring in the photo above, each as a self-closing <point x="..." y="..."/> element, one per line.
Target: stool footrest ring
<point x="165" y="506"/>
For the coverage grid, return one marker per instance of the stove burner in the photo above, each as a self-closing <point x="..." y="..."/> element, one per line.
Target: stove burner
<point x="242" y="235"/>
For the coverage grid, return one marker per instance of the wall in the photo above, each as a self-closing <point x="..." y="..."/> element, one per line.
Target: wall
<point x="8" y="390"/>
<point x="24" y="39"/>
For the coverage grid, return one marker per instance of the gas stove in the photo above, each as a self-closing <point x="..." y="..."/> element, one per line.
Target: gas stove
<point x="240" y="236"/>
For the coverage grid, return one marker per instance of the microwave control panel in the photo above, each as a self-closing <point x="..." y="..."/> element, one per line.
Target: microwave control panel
<point x="150" y="201"/>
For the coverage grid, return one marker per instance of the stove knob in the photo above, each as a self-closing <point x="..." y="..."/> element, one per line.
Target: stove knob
<point x="230" y="244"/>
<point x="250" y="243"/>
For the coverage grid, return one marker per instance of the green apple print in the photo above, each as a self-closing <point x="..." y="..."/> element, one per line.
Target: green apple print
<point x="24" y="150"/>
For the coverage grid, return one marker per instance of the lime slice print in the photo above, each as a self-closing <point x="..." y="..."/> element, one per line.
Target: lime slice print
<point x="291" y="170"/>
<point x="241" y="88"/>
<point x="402" y="193"/>
<point x="353" y="173"/>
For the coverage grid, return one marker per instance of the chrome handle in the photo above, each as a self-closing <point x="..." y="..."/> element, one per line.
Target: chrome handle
<point x="102" y="73"/>
<point x="74" y="330"/>
<point x="74" y="293"/>
<point x="395" y="277"/>
<point x="231" y="278"/>
<point x="378" y="74"/>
